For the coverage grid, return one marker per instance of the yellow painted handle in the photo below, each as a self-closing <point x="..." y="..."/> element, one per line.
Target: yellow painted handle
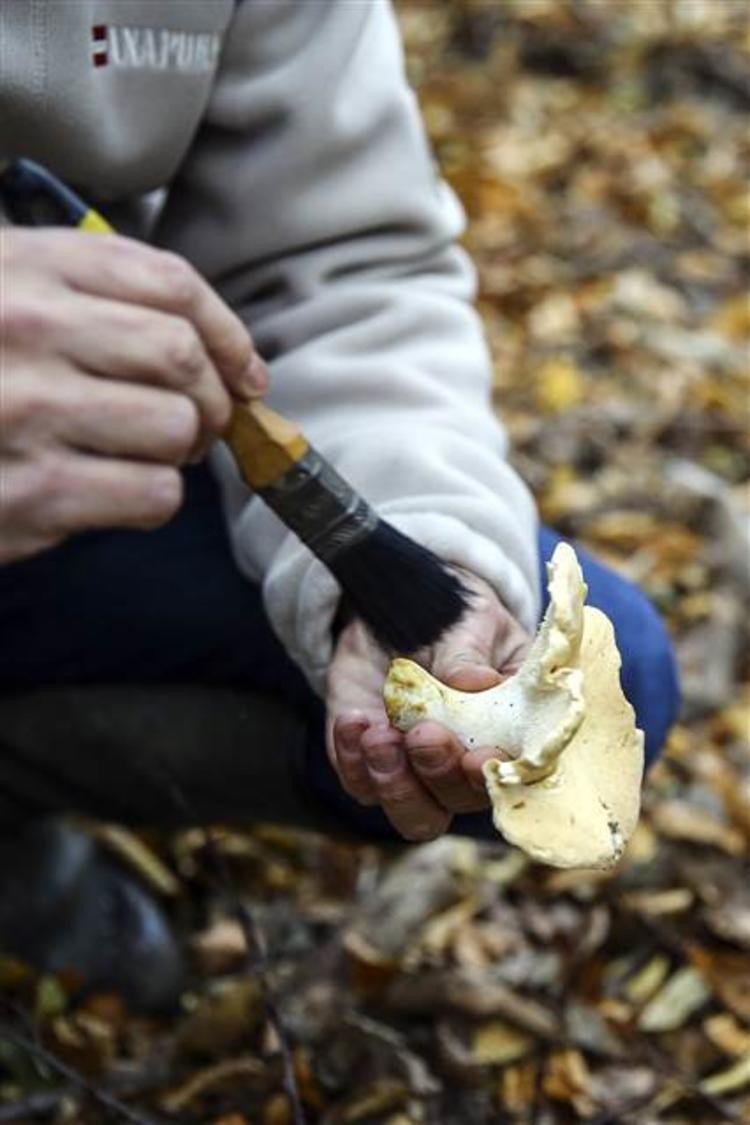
<point x="93" y="222"/>
<point x="265" y="445"/>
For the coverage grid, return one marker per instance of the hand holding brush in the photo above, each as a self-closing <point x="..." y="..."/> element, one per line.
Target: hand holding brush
<point x="404" y="593"/>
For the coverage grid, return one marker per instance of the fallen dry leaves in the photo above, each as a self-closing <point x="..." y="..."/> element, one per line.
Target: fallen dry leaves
<point x="602" y="154"/>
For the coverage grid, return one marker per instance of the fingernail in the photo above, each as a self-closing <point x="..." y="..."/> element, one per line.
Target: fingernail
<point x="255" y="378"/>
<point x="430" y="757"/>
<point x="383" y="759"/>
<point x="349" y="737"/>
<point x="419" y="832"/>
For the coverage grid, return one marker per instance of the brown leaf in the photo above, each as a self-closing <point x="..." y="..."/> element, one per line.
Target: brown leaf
<point x="220" y="948"/>
<point x="225" y="1017"/>
<point x="730" y="919"/>
<point x="84" y="1042"/>
<point x="680" y="821"/>
<point x="420" y="885"/>
<point x="309" y="1087"/>
<point x="440" y="931"/>
<point x="516" y="1087"/>
<point x="383" y="1095"/>
<point x="729" y="975"/>
<point x="724" y="1031"/>
<point x="474" y="994"/>
<point x="277" y="1111"/>
<point x="567" y="1079"/>
<point x="242" y="1072"/>
<point x="614" y="1087"/>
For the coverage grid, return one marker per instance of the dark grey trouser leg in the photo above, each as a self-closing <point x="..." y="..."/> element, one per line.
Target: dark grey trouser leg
<point x="161" y="755"/>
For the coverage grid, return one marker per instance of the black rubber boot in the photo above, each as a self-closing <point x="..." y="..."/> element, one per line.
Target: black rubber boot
<point x="66" y="905"/>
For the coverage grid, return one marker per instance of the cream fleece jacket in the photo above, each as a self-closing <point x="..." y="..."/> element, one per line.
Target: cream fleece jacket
<point x="299" y="182"/>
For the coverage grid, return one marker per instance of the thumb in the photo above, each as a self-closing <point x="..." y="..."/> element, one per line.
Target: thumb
<point x="473" y="677"/>
<point x="463" y="660"/>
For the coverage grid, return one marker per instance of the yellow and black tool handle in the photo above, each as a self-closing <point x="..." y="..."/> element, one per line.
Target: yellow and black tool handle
<point x="33" y="197"/>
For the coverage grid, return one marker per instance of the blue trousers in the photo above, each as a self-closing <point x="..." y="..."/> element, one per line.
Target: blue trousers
<point x="170" y="606"/>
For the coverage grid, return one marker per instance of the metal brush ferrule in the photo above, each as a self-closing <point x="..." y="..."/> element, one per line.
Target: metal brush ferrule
<point x="320" y="507"/>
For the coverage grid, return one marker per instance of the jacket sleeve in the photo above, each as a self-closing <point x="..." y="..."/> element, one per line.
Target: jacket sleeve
<point x="310" y="201"/>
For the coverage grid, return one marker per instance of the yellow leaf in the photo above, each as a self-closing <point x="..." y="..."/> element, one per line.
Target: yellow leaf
<point x="136" y="854"/>
<point x="645" y="982"/>
<point x="732" y="318"/>
<point x="673" y="1004"/>
<point x="726" y="1081"/>
<point x="496" y="1043"/>
<point x="559" y="385"/>
<point x="655" y="904"/>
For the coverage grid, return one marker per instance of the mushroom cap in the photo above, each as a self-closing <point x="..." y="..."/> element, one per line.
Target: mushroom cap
<point x="584" y="812"/>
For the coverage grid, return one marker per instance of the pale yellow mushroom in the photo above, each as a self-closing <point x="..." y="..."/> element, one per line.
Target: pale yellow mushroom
<point x="569" y="795"/>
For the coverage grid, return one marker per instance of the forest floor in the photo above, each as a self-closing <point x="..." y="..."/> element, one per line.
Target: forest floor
<point x="601" y="150"/>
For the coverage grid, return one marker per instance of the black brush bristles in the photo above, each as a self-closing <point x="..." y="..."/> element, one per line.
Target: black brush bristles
<point x="403" y="592"/>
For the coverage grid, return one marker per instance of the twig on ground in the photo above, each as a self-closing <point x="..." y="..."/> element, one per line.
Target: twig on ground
<point x="692" y="1088"/>
<point x="257" y="959"/>
<point x="257" y="963"/>
<point x="38" y="1051"/>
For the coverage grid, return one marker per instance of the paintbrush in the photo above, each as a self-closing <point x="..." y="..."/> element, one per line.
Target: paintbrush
<point x="404" y="593"/>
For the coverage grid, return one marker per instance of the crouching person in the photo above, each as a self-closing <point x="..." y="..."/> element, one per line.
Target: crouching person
<point x="171" y="653"/>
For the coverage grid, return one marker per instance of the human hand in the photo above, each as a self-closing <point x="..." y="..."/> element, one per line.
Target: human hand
<point x="118" y="364"/>
<point x="420" y="779"/>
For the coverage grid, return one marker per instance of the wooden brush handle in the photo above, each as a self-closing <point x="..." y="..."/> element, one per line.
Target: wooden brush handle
<point x="265" y="444"/>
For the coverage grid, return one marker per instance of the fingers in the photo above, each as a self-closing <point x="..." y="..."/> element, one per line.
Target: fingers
<point x="420" y="780"/>
<point x="485" y="647"/>
<point x="464" y="658"/>
<point x="472" y="764"/>
<point x="412" y="811"/>
<point x="437" y="759"/>
<point x="124" y="420"/>
<point x="64" y="493"/>
<point x="349" y="760"/>
<point x="142" y="496"/>
<point x="469" y="676"/>
<point x="146" y="346"/>
<point x="125" y="270"/>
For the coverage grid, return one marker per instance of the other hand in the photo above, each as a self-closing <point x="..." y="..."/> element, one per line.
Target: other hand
<point x="420" y="779"/>
<point x="118" y="361"/>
